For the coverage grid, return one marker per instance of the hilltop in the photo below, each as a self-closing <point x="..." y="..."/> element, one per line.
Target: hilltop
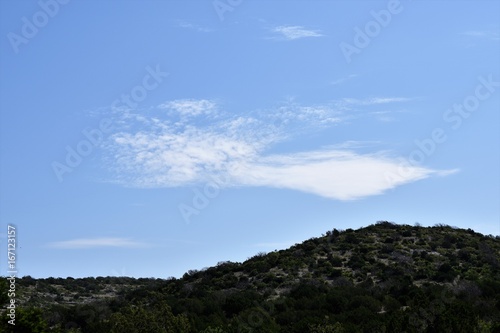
<point x="381" y="278"/>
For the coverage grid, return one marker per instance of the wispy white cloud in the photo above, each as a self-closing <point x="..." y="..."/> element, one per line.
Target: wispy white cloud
<point x="381" y="108"/>
<point x="293" y="32"/>
<point x="192" y="26"/>
<point x="483" y="34"/>
<point x="353" y="145"/>
<point x="344" y="79"/>
<point x="386" y="115"/>
<point x="291" y="114"/>
<point x="190" y="107"/>
<point x="376" y="100"/>
<point x="164" y="153"/>
<point x="89" y="243"/>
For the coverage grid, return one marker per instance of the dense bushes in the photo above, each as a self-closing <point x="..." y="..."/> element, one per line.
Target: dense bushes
<point x="382" y="278"/>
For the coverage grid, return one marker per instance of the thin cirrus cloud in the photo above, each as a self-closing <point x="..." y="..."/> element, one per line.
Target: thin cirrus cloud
<point x="483" y="34"/>
<point x="385" y="116"/>
<point x="192" y="26"/>
<point x="293" y="32"/>
<point x="165" y="152"/>
<point x="90" y="243"/>
<point x="376" y="100"/>
<point x="344" y="79"/>
<point x="190" y="107"/>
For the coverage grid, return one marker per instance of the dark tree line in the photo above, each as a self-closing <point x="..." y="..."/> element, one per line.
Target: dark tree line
<point x="382" y="278"/>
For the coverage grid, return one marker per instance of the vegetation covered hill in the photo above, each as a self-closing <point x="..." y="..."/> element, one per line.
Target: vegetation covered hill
<point x="381" y="278"/>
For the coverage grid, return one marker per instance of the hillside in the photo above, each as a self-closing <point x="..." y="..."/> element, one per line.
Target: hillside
<point x="381" y="278"/>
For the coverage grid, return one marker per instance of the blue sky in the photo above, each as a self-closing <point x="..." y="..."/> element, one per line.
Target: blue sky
<point x="147" y="138"/>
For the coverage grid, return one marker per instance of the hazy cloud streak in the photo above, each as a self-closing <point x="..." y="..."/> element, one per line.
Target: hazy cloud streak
<point x="87" y="243"/>
<point x="293" y="32"/>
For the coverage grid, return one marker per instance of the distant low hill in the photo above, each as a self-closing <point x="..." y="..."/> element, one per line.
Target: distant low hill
<point x="381" y="278"/>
